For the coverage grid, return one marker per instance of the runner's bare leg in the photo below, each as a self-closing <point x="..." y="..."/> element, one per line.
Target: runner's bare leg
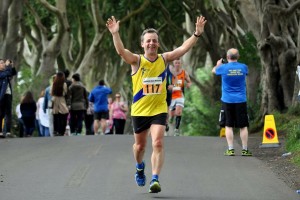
<point x="140" y="145"/>
<point x="157" y="158"/>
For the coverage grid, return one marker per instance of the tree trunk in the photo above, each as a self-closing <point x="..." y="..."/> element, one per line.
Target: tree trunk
<point x="275" y="32"/>
<point x="10" y="20"/>
<point x="52" y="47"/>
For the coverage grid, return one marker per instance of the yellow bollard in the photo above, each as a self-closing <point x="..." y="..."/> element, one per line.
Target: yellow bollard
<point x="270" y="138"/>
<point x="222" y="132"/>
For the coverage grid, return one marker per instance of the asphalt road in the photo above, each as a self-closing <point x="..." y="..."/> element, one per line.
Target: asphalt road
<point x="102" y="168"/>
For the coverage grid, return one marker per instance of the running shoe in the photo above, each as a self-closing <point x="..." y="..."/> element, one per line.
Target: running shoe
<point x="167" y="127"/>
<point x="2" y="135"/>
<point x="140" y="177"/>
<point x="154" y="186"/>
<point x="176" y="132"/>
<point x="246" y="152"/>
<point x="229" y="152"/>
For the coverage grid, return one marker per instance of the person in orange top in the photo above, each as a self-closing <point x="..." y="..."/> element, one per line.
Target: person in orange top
<point x="177" y="103"/>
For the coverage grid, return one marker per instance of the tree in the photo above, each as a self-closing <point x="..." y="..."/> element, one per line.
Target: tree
<point x="52" y="43"/>
<point x="46" y="42"/>
<point x="11" y="16"/>
<point x="275" y="25"/>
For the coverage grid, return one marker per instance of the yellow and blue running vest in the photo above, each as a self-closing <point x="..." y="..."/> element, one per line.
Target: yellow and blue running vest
<point x="149" y="88"/>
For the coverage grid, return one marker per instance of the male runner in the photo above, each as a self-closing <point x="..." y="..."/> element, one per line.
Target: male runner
<point x="149" y="107"/>
<point x="177" y="103"/>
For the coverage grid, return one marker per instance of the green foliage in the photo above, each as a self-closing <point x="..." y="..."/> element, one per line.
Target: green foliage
<point x="24" y="79"/>
<point x="248" y="51"/>
<point x="47" y="20"/>
<point x="200" y="115"/>
<point x="77" y="11"/>
<point x="289" y="123"/>
<point x="25" y="82"/>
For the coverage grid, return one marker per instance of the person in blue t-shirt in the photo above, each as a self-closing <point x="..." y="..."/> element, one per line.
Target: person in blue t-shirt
<point x="99" y="96"/>
<point x="234" y="99"/>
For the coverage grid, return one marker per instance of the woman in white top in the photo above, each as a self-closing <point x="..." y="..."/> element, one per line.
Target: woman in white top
<point x="43" y="118"/>
<point x="20" y="121"/>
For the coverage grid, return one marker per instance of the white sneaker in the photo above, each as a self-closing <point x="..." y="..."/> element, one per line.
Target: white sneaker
<point x="176" y="132"/>
<point x="10" y="135"/>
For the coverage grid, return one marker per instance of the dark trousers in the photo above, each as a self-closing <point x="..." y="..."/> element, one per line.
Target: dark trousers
<point x="60" y="123"/>
<point x="119" y="125"/>
<point x="37" y="125"/>
<point x="6" y="112"/>
<point x="76" y="119"/>
<point x="21" y="127"/>
<point x="29" y="125"/>
<point x="88" y="121"/>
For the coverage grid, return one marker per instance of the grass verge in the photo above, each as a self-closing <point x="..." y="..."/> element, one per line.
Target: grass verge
<point x="289" y="123"/>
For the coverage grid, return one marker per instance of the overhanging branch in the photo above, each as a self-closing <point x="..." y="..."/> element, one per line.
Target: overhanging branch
<point x="135" y="12"/>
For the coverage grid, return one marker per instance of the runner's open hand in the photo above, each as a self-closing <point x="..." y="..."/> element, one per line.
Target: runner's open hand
<point x="200" y="23"/>
<point x="113" y="25"/>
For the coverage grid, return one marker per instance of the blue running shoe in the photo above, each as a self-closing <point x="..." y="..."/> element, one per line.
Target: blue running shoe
<point x="154" y="186"/>
<point x="140" y="177"/>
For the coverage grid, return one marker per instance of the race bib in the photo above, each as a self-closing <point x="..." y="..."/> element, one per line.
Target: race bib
<point x="177" y="86"/>
<point x="179" y="82"/>
<point x="152" y="85"/>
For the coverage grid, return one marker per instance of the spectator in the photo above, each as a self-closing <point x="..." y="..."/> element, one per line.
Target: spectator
<point x="20" y="121"/>
<point x="43" y="118"/>
<point x="234" y="99"/>
<point x="7" y="71"/>
<point x="37" y="119"/>
<point x="67" y="73"/>
<point x="60" y="109"/>
<point x="28" y="109"/>
<point x="78" y="104"/>
<point x="99" y="96"/>
<point x="89" y="118"/>
<point x="48" y="105"/>
<point x="119" y="109"/>
<point x="109" y="122"/>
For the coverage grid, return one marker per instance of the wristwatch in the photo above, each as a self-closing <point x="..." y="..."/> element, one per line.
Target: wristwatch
<point x="196" y="35"/>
